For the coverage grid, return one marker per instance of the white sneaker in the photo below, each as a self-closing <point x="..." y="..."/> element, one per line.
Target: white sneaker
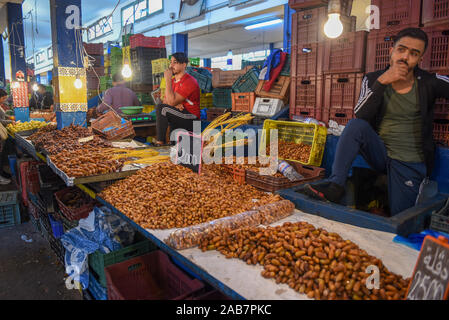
<point x="4" y="181"/>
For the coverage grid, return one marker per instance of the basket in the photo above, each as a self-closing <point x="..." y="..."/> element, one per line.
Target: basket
<point x="248" y="82"/>
<point x="226" y="79"/>
<point x="222" y="98"/>
<point x="160" y="65"/>
<point x="279" y="90"/>
<point x="111" y="119"/>
<point x="56" y="227"/>
<point x="239" y="175"/>
<point x="9" y="209"/>
<point x="74" y="213"/>
<point x="243" y="102"/>
<point x="272" y="184"/>
<point x="149" y="277"/>
<point x="139" y="40"/>
<point x="98" y="261"/>
<point x="297" y="132"/>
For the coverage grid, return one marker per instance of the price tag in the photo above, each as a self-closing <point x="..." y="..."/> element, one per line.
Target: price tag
<point x="87" y="139"/>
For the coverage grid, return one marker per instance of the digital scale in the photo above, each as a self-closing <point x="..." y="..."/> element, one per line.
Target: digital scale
<point x="139" y="118"/>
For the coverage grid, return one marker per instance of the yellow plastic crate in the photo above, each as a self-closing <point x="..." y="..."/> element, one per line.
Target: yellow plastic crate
<point x="206" y="100"/>
<point x="159" y="65"/>
<point x="126" y="55"/>
<point x="297" y="132"/>
<point x="148" y="109"/>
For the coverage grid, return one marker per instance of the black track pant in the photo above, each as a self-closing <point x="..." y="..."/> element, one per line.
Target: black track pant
<point x="168" y="115"/>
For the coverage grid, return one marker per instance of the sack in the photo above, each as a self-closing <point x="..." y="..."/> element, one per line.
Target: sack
<point x="3" y="132"/>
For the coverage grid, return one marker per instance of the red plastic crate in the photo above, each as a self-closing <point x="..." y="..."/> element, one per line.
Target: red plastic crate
<point x="441" y="131"/>
<point x="92" y="82"/>
<point x="139" y="40"/>
<point x="441" y="109"/>
<point x="306" y="97"/>
<point x="398" y="13"/>
<point x="73" y="214"/>
<point x="346" y="5"/>
<point x="341" y="116"/>
<point x="346" y="53"/>
<point x="32" y="177"/>
<point x="98" y="70"/>
<point x="378" y="48"/>
<point x="94" y="48"/>
<point x="243" y="101"/>
<point x="436" y="58"/>
<point x="341" y="92"/>
<point x="435" y="12"/>
<point x="307" y="60"/>
<point x="149" y="277"/>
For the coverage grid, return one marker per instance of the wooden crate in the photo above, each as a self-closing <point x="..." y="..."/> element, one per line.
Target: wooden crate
<point x="279" y="90"/>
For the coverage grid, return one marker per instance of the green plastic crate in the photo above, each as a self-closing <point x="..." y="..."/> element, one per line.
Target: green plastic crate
<point x="125" y="40"/>
<point x="194" y="62"/>
<point x="286" y="69"/>
<point x="222" y="98"/>
<point x="9" y="209"/>
<point x="98" y="261"/>
<point x="258" y="64"/>
<point x="248" y="82"/>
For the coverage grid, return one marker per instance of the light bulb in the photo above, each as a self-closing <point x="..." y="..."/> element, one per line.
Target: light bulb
<point x="333" y="27"/>
<point x="126" y="71"/>
<point x="35" y="87"/>
<point x="78" y="83"/>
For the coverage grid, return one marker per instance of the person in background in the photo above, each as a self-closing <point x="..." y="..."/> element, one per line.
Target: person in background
<point x="118" y="96"/>
<point x="6" y="146"/>
<point x="393" y="126"/>
<point x="41" y="99"/>
<point x="181" y="104"/>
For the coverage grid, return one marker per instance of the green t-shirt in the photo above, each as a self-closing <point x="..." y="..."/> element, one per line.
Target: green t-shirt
<point x="401" y="127"/>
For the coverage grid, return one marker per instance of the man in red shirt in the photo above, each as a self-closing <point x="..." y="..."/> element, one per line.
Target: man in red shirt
<point x="181" y="103"/>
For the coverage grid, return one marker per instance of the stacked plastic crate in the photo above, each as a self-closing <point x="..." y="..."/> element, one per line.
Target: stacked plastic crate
<point x="96" y="51"/>
<point x="312" y="62"/>
<point x="435" y="18"/>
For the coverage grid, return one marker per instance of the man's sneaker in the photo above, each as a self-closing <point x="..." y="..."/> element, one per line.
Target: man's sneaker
<point x="325" y="191"/>
<point x="4" y="181"/>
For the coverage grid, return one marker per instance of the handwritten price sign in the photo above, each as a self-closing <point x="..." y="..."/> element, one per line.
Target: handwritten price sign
<point x="430" y="280"/>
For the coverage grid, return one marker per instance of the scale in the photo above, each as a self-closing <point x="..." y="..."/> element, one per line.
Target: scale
<point x="139" y="118"/>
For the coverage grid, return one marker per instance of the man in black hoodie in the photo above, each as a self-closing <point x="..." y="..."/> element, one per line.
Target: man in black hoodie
<point x="393" y="126"/>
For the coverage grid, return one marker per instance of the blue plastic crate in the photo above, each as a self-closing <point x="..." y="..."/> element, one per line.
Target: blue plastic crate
<point x="22" y="114"/>
<point x="56" y="226"/>
<point x="12" y="164"/>
<point x="9" y="209"/>
<point x="97" y="291"/>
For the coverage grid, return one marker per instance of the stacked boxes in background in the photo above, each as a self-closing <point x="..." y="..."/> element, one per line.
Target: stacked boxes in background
<point x="141" y="63"/>
<point x="96" y="51"/>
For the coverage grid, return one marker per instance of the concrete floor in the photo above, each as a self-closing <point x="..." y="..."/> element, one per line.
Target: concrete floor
<point x="30" y="271"/>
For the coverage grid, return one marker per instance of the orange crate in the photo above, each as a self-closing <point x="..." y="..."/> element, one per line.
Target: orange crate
<point x="239" y="175"/>
<point x="225" y="79"/>
<point x="243" y="101"/>
<point x="112" y="119"/>
<point x="279" y="90"/>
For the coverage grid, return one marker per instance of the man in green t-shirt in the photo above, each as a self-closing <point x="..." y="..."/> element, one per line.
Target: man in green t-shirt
<point x="394" y="127"/>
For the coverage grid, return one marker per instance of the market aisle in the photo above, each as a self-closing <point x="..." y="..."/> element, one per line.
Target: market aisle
<point x="30" y="271"/>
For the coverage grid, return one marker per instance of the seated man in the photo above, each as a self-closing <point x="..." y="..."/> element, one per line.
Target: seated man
<point x="181" y="104"/>
<point x="118" y="96"/>
<point x="394" y="126"/>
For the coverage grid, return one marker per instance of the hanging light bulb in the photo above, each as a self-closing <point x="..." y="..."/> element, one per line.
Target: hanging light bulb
<point x="126" y="71"/>
<point x="35" y="87"/>
<point x="333" y="28"/>
<point x="78" y="83"/>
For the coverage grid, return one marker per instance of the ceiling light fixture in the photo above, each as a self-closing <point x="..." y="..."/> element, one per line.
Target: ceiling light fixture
<point x="263" y="24"/>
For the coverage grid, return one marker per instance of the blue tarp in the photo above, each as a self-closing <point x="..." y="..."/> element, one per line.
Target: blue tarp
<point x="415" y="240"/>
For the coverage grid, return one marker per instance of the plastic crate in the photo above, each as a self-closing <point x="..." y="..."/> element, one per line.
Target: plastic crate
<point x="287" y="66"/>
<point x="341" y="116"/>
<point x="74" y="213"/>
<point x="139" y="40"/>
<point x="439" y="222"/>
<point x="378" y="48"/>
<point x="204" y="82"/>
<point x="279" y="90"/>
<point x="111" y="119"/>
<point x="226" y="79"/>
<point x="259" y="120"/>
<point x="435" y="12"/>
<point x="92" y="82"/>
<point x="441" y="109"/>
<point x="346" y="53"/>
<point x="398" y="13"/>
<point x="213" y="113"/>
<point x="97" y="60"/>
<point x="66" y="223"/>
<point x="48" y="180"/>
<point x="255" y="64"/>
<point x="346" y="5"/>
<point x="44" y="231"/>
<point x="307" y="60"/>
<point x="148" y="277"/>
<point x="58" y="248"/>
<point x="146" y="55"/>
<point x="160" y="65"/>
<point x="9" y="209"/>
<point x="210" y="295"/>
<point x="239" y="175"/>
<point x="441" y="131"/>
<point x="243" y="101"/>
<point x="36" y="224"/>
<point x="32" y="178"/>
<point x="206" y="100"/>
<point x="436" y="58"/>
<point x="266" y="107"/>
<point x="272" y="184"/>
<point x="156" y="79"/>
<point x="56" y="227"/>
<point x="94" y="48"/>
<point x="247" y="82"/>
<point x="94" y="72"/>
<point x="22" y="114"/>
<point x="306" y="97"/>
<point x="222" y="98"/>
<point x="97" y="291"/>
<point x="341" y="92"/>
<point x="306" y="133"/>
<point x="98" y="261"/>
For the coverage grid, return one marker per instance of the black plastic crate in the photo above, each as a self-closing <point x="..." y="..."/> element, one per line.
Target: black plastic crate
<point x="148" y="54"/>
<point x="48" y="180"/>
